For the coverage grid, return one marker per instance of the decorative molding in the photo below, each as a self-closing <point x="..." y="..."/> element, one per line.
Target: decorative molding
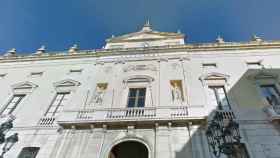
<point x="99" y="63"/>
<point x="104" y="128"/>
<point x="73" y="129"/>
<point x="138" y="78"/>
<point x="206" y="47"/>
<point x="162" y="59"/>
<point x="3" y="75"/>
<point x="214" y="76"/>
<point x="120" y="61"/>
<point x="67" y="83"/>
<point x="175" y="66"/>
<point x="183" y="58"/>
<point x="263" y="75"/>
<point x="24" y="85"/>
<point x="123" y="138"/>
<point x="140" y="68"/>
<point x="130" y="130"/>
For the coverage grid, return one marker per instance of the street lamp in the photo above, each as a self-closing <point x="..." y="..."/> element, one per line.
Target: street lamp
<point x="223" y="135"/>
<point x="9" y="141"/>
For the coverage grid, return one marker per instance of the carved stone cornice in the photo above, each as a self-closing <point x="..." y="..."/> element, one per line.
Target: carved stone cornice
<point x="188" y="48"/>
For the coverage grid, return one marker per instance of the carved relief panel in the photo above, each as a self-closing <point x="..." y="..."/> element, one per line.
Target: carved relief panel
<point x="99" y="93"/>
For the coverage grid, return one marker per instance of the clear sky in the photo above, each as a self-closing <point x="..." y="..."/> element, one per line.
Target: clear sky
<point x="28" y="24"/>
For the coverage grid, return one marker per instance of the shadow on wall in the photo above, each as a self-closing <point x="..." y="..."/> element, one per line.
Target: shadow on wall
<point x="254" y="96"/>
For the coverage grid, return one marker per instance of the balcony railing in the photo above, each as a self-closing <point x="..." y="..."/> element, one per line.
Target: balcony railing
<point x="107" y="115"/>
<point x="131" y="113"/>
<point x="226" y="114"/>
<point x="273" y="112"/>
<point x="46" y="122"/>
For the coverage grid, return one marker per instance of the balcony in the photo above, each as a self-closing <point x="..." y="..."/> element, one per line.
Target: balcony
<point x="47" y="122"/>
<point x="273" y="112"/>
<point x="226" y="114"/>
<point x="125" y="115"/>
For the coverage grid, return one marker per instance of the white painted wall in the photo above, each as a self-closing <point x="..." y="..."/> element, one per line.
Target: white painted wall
<point x="260" y="135"/>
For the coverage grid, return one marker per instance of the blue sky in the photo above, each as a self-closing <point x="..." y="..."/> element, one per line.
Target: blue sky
<point x="28" y="24"/>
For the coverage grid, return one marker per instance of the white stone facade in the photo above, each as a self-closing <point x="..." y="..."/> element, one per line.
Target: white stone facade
<point x="95" y="117"/>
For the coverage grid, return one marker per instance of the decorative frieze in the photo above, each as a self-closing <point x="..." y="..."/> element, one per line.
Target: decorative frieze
<point x="140" y="68"/>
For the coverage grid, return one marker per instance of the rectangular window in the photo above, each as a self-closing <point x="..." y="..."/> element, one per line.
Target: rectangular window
<point x="209" y="65"/>
<point x="12" y="104"/>
<point x="57" y="104"/>
<point x="29" y="152"/>
<point x="254" y="64"/>
<point x="2" y="75"/>
<point x="219" y="97"/>
<point x="36" y="74"/>
<point x="271" y="94"/>
<point x="136" y="97"/>
<point x="75" y="71"/>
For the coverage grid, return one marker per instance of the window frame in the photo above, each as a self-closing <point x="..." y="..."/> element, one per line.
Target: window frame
<point x="56" y="106"/>
<point x="139" y="81"/>
<point x="11" y="110"/>
<point x="136" y="97"/>
<point x="219" y="102"/>
<point x="27" y="149"/>
<point x="275" y="87"/>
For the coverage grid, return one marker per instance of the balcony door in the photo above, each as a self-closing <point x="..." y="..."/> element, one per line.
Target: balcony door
<point x="136" y="97"/>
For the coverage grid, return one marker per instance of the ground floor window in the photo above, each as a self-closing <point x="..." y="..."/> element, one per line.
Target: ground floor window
<point x="29" y="152"/>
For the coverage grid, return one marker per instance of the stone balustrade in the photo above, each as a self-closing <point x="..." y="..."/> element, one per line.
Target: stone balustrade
<point x="46" y="121"/>
<point x="107" y="115"/>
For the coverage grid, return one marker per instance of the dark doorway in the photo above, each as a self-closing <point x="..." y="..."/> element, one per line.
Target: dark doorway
<point x="129" y="149"/>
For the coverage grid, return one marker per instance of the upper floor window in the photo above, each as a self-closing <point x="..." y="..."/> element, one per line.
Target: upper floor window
<point x="19" y="90"/>
<point x="57" y="104"/>
<point x="75" y="71"/>
<point x="36" y="74"/>
<point x="136" y="97"/>
<point x="29" y="152"/>
<point x="12" y="104"/>
<point x="254" y="64"/>
<point x="138" y="91"/>
<point x="218" y="94"/>
<point x="209" y="65"/>
<point x="3" y="75"/>
<point x="63" y="91"/>
<point x="271" y="94"/>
